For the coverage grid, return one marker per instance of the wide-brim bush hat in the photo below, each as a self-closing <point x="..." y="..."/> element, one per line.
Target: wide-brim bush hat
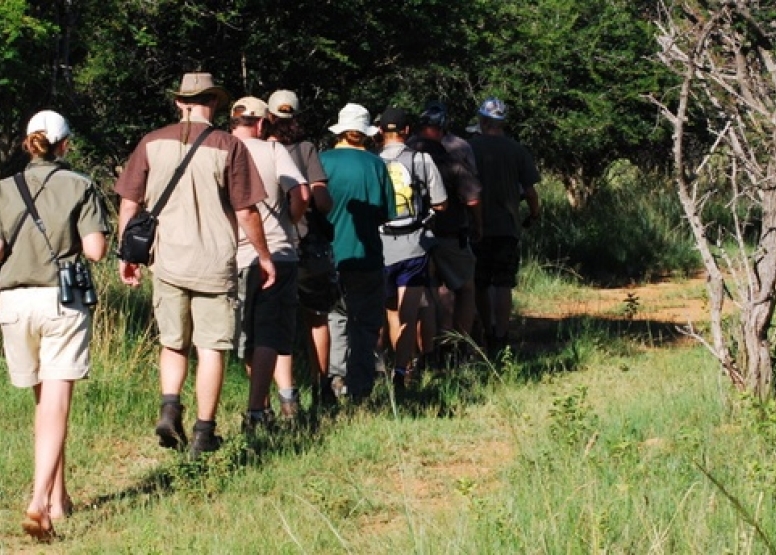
<point x="196" y="84"/>
<point x="354" y="117"/>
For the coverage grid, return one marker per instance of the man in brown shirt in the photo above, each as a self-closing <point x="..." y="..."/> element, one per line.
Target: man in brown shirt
<point x="193" y="265"/>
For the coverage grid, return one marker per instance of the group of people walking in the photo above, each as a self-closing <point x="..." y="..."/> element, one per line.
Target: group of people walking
<point x="382" y="243"/>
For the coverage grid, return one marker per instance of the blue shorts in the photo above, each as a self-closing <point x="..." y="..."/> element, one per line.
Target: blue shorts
<point x="412" y="272"/>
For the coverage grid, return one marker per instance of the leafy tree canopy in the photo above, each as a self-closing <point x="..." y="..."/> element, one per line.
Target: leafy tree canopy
<point x="573" y="71"/>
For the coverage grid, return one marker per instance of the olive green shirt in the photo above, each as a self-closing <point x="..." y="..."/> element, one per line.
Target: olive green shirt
<point x="70" y="208"/>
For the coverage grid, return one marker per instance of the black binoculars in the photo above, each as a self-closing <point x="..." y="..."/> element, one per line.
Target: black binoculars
<point x="76" y="276"/>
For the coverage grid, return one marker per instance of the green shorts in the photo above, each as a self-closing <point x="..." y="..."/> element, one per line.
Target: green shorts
<point x="187" y="317"/>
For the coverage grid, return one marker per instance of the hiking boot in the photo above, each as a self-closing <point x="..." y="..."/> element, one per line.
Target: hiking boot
<point x="399" y="381"/>
<point x="169" y="428"/>
<point x="253" y="420"/>
<point x="204" y="441"/>
<point x="289" y="408"/>
<point x="338" y="386"/>
<point x="380" y="367"/>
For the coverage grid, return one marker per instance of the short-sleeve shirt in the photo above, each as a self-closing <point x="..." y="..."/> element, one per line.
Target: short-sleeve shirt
<point x="69" y="207"/>
<point x="460" y="149"/>
<point x="280" y="175"/>
<point x="462" y="186"/>
<point x="416" y="243"/>
<point x="506" y="169"/>
<point x="305" y="155"/>
<point x="363" y="197"/>
<point x="196" y="239"/>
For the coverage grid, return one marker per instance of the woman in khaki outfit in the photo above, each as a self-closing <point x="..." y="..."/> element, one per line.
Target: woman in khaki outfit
<point x="46" y="334"/>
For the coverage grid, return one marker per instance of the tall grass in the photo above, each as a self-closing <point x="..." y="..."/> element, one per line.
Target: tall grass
<point x="601" y="442"/>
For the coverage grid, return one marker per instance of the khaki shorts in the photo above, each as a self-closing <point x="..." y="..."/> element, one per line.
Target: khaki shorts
<point x="43" y="339"/>
<point x="454" y="265"/>
<point x="187" y="317"/>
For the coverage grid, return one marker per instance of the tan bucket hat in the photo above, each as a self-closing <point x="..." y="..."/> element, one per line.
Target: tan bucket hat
<point x="195" y="84"/>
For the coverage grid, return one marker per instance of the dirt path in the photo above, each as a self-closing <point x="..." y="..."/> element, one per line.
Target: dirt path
<point x="676" y="302"/>
<point x="655" y="312"/>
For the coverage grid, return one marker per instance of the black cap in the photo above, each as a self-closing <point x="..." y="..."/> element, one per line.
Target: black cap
<point x="393" y="119"/>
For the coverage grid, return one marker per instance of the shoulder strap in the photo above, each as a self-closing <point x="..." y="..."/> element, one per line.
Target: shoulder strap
<point x="24" y="191"/>
<point x="179" y="173"/>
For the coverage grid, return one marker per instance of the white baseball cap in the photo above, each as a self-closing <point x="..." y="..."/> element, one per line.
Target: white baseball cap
<point x="251" y="107"/>
<point x="51" y="123"/>
<point x="283" y="104"/>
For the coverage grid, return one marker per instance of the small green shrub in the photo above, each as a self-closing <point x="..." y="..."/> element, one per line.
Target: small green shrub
<point x="572" y="420"/>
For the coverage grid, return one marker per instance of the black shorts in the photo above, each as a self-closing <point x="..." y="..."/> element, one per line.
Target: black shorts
<point x="498" y="260"/>
<point x="318" y="293"/>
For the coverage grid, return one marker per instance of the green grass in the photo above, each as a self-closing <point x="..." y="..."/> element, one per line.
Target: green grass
<point x="603" y="442"/>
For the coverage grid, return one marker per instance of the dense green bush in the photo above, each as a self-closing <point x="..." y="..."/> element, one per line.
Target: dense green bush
<point x="632" y="229"/>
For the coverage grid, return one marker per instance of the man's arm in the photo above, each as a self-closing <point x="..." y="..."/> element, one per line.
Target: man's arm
<point x="320" y="193"/>
<point x="298" y="199"/>
<point x="94" y="246"/>
<point x="130" y="274"/>
<point x="475" y="209"/>
<point x="532" y="198"/>
<point x="436" y="186"/>
<point x="250" y="222"/>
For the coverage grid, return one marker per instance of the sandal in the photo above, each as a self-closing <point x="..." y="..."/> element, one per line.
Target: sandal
<point x="35" y="526"/>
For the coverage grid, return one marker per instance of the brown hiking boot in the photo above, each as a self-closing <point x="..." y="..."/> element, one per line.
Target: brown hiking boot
<point x="255" y="420"/>
<point x="169" y="428"/>
<point x="204" y="441"/>
<point x="289" y="408"/>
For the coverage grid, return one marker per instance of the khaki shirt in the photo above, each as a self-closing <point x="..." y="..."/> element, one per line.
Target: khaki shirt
<point x="196" y="239"/>
<point x="70" y="208"/>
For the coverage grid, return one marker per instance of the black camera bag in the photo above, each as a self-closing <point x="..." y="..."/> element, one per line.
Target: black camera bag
<point x="140" y="231"/>
<point x="138" y="238"/>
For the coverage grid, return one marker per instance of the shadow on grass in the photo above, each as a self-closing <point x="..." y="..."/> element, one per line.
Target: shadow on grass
<point x="539" y="346"/>
<point x="543" y="346"/>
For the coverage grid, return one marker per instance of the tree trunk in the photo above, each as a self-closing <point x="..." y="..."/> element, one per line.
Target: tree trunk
<point x="710" y="47"/>
<point x="756" y="317"/>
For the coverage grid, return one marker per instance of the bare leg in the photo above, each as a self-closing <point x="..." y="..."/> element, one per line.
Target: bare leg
<point x="482" y="298"/>
<point x="464" y="308"/>
<point x="284" y="377"/>
<point x="446" y="302"/>
<point x="502" y="310"/>
<point x="60" y="504"/>
<point x="404" y="336"/>
<point x="318" y="345"/>
<point x="427" y="330"/>
<point x="263" y="367"/>
<point x="173" y="369"/>
<point x="210" y="378"/>
<point x="52" y="410"/>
